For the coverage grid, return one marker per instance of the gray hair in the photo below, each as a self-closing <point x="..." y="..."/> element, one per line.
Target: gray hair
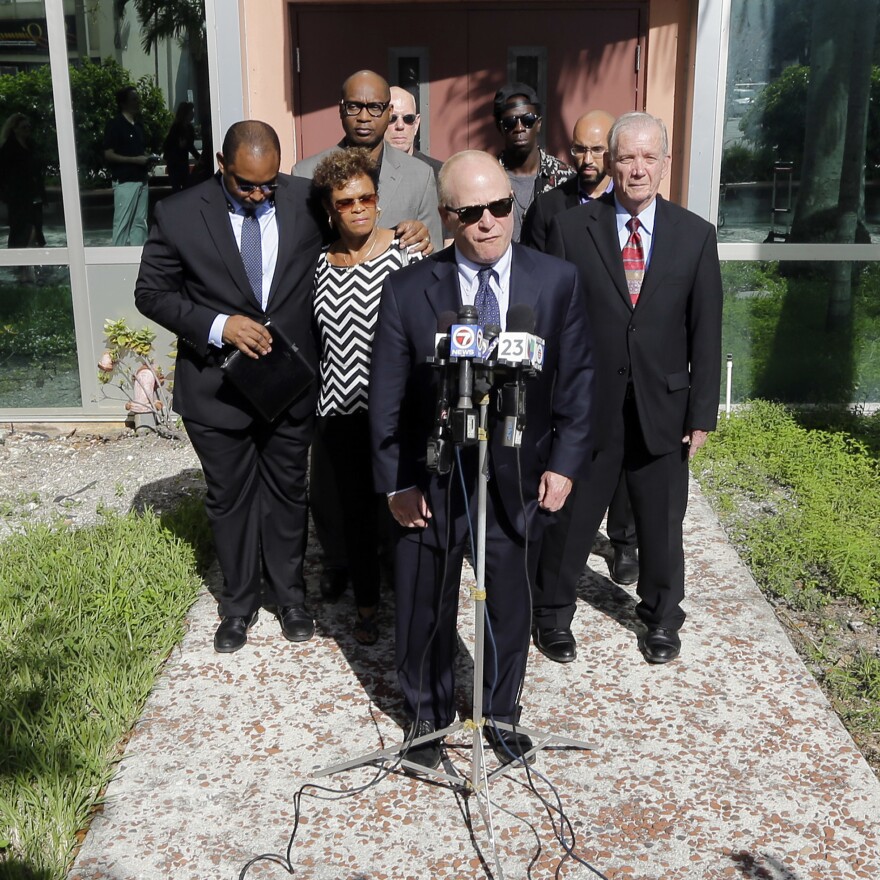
<point x="637" y="120"/>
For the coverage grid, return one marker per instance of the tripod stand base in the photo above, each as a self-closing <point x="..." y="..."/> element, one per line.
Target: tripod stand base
<point x="540" y="740"/>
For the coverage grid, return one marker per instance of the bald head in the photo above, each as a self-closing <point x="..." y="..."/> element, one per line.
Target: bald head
<point x="404" y="122"/>
<point x="366" y="79"/>
<point x="473" y="178"/>
<point x="257" y="138"/>
<point x="364" y="110"/>
<point x="589" y="143"/>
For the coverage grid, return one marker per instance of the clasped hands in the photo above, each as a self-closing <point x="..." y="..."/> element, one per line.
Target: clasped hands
<point x="410" y="509"/>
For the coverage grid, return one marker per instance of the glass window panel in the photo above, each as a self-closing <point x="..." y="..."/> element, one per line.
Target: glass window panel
<point x="31" y="213"/>
<point x="38" y="362"/>
<point x="801" y="142"/>
<point x="135" y="147"/>
<point x="803" y="332"/>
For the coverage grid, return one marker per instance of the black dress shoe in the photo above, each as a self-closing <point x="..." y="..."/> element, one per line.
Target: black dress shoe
<point x="332" y="584"/>
<point x="232" y="633"/>
<point x="426" y="754"/>
<point x="508" y="745"/>
<point x="661" y="645"/>
<point x="624" y="568"/>
<point x="296" y="623"/>
<point x="557" y="644"/>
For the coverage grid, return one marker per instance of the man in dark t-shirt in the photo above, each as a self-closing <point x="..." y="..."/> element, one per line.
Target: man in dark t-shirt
<point x="125" y="151"/>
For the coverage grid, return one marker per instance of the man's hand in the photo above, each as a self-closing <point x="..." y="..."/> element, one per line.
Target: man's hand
<point x="695" y="440"/>
<point x="410" y="509"/>
<point x="414" y="236"/>
<point x="247" y="335"/>
<point x="553" y="489"/>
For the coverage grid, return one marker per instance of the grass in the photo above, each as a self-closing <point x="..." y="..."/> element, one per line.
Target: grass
<point x="803" y="503"/>
<point x="87" y="619"/>
<point x="800" y="497"/>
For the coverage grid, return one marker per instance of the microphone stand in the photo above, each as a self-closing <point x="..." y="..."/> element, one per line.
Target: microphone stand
<point x="478" y="779"/>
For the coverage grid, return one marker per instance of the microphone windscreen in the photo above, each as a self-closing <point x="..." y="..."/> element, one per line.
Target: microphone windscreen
<point x="520" y="319"/>
<point x="468" y="315"/>
<point x="491" y="331"/>
<point x="445" y="320"/>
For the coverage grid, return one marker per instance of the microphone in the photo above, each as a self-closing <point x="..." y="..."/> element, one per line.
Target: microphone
<point x="518" y="346"/>
<point x="520" y="349"/>
<point x="485" y="378"/>
<point x="438" y="458"/>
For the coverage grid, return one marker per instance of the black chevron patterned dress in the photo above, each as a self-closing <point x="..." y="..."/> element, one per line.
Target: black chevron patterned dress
<point x="343" y="502"/>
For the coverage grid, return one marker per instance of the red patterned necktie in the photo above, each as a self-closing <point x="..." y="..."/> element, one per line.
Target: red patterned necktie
<point x="634" y="260"/>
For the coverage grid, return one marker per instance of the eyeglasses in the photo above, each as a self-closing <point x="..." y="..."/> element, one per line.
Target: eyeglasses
<point x="581" y="150"/>
<point x="472" y="213"/>
<point x="374" y="108"/>
<point x="408" y="118"/>
<point x="343" y="206"/>
<point x="508" y="123"/>
<point x="246" y="187"/>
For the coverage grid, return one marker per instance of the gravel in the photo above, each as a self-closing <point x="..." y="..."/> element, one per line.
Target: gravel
<point x="70" y="473"/>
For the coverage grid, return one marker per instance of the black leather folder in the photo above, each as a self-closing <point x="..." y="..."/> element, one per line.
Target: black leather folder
<point x="271" y="382"/>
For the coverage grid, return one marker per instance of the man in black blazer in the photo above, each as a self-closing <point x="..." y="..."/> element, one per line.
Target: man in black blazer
<point x="524" y="487"/>
<point x="658" y="368"/>
<point x="554" y="610"/>
<point x="221" y="259"/>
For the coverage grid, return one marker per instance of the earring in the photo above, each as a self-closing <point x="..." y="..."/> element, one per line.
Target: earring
<point x="378" y="210"/>
<point x="330" y="221"/>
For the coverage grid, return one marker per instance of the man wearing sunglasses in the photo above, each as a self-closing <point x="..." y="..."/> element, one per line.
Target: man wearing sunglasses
<point x="526" y="485"/>
<point x="404" y="126"/>
<point x="531" y="171"/>
<point x="407" y="188"/>
<point x="223" y="258"/>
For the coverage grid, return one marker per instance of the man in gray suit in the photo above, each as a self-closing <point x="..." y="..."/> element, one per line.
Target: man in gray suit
<point x="407" y="190"/>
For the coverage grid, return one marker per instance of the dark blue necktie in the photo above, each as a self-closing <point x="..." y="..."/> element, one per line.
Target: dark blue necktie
<point x="486" y="301"/>
<point x="252" y="254"/>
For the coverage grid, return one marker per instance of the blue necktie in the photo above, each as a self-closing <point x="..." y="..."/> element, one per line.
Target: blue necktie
<point x="486" y="301"/>
<point x="252" y="254"/>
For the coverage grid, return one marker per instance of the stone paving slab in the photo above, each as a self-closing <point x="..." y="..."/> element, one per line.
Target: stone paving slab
<point x="727" y="763"/>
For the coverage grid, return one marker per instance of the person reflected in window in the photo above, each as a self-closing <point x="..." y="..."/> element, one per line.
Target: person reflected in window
<point x="125" y="151"/>
<point x="21" y="182"/>
<point x="179" y="146"/>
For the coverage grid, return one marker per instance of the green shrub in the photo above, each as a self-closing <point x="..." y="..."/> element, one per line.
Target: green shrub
<point x="801" y="503"/>
<point x="87" y="619"/>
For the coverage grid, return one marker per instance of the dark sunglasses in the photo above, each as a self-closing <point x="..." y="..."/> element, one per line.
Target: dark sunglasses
<point x="343" y="206"/>
<point x="472" y="213"/>
<point x="408" y="118"/>
<point x="508" y="123"/>
<point x="246" y="187"/>
<point x="374" y="108"/>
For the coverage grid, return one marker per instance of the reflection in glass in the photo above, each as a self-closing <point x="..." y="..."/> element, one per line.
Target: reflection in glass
<point x="801" y="143"/>
<point x="31" y="212"/>
<point x="38" y="364"/>
<point x="158" y="51"/>
<point x="787" y="343"/>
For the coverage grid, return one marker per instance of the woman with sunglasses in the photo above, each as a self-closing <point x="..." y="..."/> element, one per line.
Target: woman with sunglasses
<point x="348" y="286"/>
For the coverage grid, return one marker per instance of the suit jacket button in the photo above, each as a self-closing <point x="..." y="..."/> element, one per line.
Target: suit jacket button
<point x="631" y="328"/>
<point x="621" y="371"/>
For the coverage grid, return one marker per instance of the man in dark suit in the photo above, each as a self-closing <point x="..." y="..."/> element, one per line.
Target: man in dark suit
<point x="222" y="258"/>
<point x="554" y="612"/>
<point x="483" y="269"/>
<point x="653" y="285"/>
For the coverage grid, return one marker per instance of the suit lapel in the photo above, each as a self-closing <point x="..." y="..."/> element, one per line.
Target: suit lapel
<point x="602" y="227"/>
<point x="662" y="251"/>
<point x="216" y="213"/>
<point x="389" y="175"/>
<point x="288" y="223"/>
<point x="443" y="294"/>
<point x="525" y="283"/>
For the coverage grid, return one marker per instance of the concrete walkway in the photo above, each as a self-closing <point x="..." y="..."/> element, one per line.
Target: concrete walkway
<point x="728" y="762"/>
